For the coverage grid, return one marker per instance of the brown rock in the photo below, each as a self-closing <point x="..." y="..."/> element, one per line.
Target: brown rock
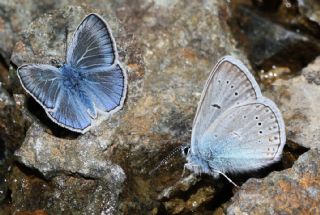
<point x="292" y="191"/>
<point x="298" y="99"/>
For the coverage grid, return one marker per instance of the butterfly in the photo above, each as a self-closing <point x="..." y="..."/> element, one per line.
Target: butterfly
<point x="235" y="128"/>
<point x="91" y="82"/>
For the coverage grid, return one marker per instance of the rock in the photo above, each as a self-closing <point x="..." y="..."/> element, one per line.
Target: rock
<point x="63" y="194"/>
<point x="182" y="185"/>
<point x="13" y="20"/>
<point x="298" y="99"/>
<point x="312" y="72"/>
<point x="292" y="191"/>
<point x="203" y="195"/>
<point x="12" y="128"/>
<point x="268" y="43"/>
<point x="311" y="9"/>
<point x="36" y="212"/>
<point x="267" y="5"/>
<point x="50" y="156"/>
<point x="168" y="50"/>
<point x="13" y="122"/>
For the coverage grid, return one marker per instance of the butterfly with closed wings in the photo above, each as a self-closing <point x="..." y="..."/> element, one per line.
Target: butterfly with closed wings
<point x="235" y="129"/>
<point x="91" y="81"/>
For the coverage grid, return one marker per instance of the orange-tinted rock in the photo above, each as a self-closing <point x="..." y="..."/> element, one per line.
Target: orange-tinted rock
<point x="292" y="191"/>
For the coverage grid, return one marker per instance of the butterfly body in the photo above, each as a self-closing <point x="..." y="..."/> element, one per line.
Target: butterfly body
<point x="71" y="77"/>
<point x="236" y="129"/>
<point x="91" y="81"/>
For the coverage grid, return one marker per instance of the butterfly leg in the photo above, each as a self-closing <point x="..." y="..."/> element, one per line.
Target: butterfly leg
<point x="226" y="177"/>
<point x="184" y="170"/>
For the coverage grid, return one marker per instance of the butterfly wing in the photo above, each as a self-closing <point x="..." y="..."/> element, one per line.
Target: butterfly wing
<point x="93" y="53"/>
<point x="230" y="83"/>
<point x="107" y="87"/>
<point x="92" y="45"/>
<point x="250" y="135"/>
<point x="70" y="112"/>
<point x="45" y="84"/>
<point x="42" y="82"/>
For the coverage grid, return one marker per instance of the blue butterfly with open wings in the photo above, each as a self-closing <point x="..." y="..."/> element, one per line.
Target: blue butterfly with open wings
<point x="91" y="82"/>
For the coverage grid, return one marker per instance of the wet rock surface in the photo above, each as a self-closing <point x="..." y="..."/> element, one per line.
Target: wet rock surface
<point x="168" y="49"/>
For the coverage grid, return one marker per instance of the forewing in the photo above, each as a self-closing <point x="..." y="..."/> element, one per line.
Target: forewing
<point x="92" y="45"/>
<point x="107" y="87"/>
<point x="258" y="134"/>
<point x="229" y="84"/>
<point x="70" y="112"/>
<point x="41" y="81"/>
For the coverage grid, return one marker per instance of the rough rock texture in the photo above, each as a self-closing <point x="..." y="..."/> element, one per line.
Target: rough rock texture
<point x="268" y="43"/>
<point x="169" y="49"/>
<point x="13" y="20"/>
<point x="298" y="99"/>
<point x="312" y="72"/>
<point x="292" y="191"/>
<point x="311" y="9"/>
<point x="13" y="124"/>
<point x="51" y="155"/>
<point x="16" y="15"/>
<point x="63" y="194"/>
<point x="181" y="186"/>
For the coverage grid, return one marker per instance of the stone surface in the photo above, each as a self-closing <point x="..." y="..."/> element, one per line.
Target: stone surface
<point x="13" y="120"/>
<point x="13" y="20"/>
<point x="292" y="191"/>
<point x="268" y="43"/>
<point x="13" y="124"/>
<point x="311" y="9"/>
<point x="298" y="99"/>
<point x="63" y="194"/>
<point x="312" y="72"/>
<point x="50" y="156"/>
<point x="181" y="186"/>
<point x="177" y="201"/>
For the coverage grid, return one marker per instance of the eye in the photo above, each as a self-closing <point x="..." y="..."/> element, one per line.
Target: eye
<point x="185" y="150"/>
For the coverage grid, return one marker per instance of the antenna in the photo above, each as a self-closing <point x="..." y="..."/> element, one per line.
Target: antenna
<point x="168" y="157"/>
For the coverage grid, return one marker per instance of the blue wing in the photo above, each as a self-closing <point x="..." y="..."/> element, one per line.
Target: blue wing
<point x="92" y="45"/>
<point x="106" y="87"/>
<point x="70" y="112"/>
<point x="45" y="84"/>
<point x="42" y="82"/>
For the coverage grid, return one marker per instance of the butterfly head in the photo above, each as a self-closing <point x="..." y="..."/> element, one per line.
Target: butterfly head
<point x="196" y="164"/>
<point x="56" y="63"/>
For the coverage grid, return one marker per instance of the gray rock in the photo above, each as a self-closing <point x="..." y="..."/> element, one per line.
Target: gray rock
<point x="312" y="72"/>
<point x="51" y="155"/>
<point x="16" y="15"/>
<point x="13" y="20"/>
<point x="298" y="99"/>
<point x="311" y="9"/>
<point x="63" y="194"/>
<point x="292" y="191"/>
